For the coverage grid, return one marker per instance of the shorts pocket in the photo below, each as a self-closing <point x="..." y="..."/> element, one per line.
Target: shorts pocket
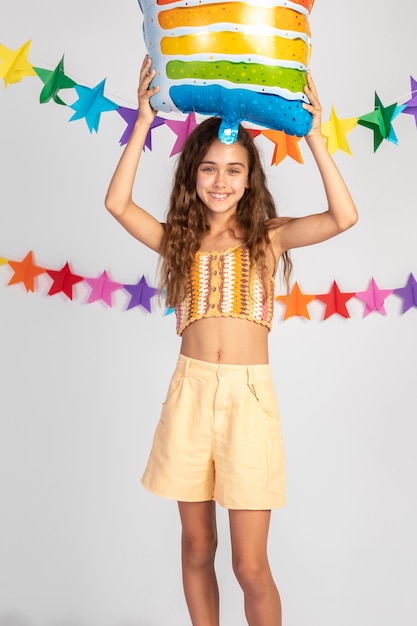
<point x="266" y="398"/>
<point x="275" y="454"/>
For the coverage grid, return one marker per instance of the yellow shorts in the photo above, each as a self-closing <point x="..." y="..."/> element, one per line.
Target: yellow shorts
<point x="219" y="438"/>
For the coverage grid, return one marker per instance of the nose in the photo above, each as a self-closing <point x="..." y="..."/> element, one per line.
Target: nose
<point x="219" y="179"/>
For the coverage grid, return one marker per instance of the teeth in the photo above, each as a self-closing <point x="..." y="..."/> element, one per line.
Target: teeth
<point x="219" y="196"/>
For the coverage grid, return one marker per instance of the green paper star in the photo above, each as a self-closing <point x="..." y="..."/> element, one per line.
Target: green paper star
<point x="54" y="81"/>
<point x="380" y="122"/>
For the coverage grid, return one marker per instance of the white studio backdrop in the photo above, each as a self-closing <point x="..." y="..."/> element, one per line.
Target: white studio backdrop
<point x="81" y="542"/>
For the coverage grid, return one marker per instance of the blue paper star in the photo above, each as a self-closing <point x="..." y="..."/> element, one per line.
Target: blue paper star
<point x="91" y="104"/>
<point x="141" y="294"/>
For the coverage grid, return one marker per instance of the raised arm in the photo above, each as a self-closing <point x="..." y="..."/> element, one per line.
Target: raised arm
<point x="133" y="218"/>
<point x="341" y="213"/>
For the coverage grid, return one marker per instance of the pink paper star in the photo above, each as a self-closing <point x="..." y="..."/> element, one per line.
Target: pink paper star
<point x="374" y="298"/>
<point x="102" y="288"/>
<point x="182" y="129"/>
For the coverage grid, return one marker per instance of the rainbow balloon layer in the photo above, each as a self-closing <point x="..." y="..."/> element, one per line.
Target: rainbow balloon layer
<point x="238" y="60"/>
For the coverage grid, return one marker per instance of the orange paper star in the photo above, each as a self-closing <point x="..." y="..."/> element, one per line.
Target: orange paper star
<point x="296" y="303"/>
<point x="25" y="272"/>
<point x="285" y="145"/>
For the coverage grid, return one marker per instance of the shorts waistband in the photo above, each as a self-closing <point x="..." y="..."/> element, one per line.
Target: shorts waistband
<point x="246" y="373"/>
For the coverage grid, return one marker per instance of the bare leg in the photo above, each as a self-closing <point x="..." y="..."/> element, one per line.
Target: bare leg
<point x="199" y="543"/>
<point x="249" y="535"/>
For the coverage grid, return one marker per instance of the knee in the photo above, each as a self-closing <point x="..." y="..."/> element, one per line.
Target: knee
<point x="199" y="550"/>
<point x="252" y="575"/>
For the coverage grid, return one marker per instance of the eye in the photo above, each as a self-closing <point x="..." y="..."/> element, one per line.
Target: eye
<point x="207" y="168"/>
<point x="234" y="171"/>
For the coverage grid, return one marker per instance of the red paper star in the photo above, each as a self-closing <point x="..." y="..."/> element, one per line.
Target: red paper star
<point x="296" y="303"/>
<point x="254" y="132"/>
<point x="285" y="145"/>
<point x="25" y="272"/>
<point x="64" y="280"/>
<point x="335" y="301"/>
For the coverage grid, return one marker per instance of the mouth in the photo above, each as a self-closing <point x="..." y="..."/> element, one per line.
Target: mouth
<point x="219" y="196"/>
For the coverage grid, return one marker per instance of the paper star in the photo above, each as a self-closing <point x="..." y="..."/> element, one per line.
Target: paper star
<point x="182" y="129"/>
<point x="408" y="293"/>
<point x="102" y="288"/>
<point x="91" y="104"/>
<point x="411" y="105"/>
<point x="25" y="272"/>
<point x="54" y="81"/>
<point x="335" y="301"/>
<point x="380" y="122"/>
<point x="3" y="261"/>
<point x="64" y="280"/>
<point x="285" y="145"/>
<point x="130" y="116"/>
<point x="14" y="64"/>
<point x="254" y="132"/>
<point x="141" y="294"/>
<point x="335" y="131"/>
<point x="374" y="298"/>
<point x="296" y="303"/>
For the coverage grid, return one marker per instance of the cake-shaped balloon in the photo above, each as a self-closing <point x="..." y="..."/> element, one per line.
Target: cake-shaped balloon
<point x="242" y="61"/>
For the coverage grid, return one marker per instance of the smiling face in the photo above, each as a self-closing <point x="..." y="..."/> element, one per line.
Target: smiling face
<point x="222" y="178"/>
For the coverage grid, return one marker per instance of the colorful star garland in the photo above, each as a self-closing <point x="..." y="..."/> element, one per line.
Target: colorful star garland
<point x="92" y="103"/>
<point x="141" y="294"/>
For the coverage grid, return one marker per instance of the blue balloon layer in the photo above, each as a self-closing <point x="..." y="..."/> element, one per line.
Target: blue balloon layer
<point x="236" y="105"/>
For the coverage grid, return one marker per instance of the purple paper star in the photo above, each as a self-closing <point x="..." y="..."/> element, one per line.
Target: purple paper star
<point x="408" y="293"/>
<point x="102" y="288"/>
<point x="91" y="104"/>
<point x="182" y="129"/>
<point x="374" y="298"/>
<point x="130" y="116"/>
<point x="411" y="105"/>
<point x="141" y="294"/>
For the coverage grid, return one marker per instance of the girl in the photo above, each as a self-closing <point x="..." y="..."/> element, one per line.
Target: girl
<point x="219" y="436"/>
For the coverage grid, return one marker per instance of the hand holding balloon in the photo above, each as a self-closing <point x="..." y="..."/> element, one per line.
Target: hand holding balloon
<point x="146" y="112"/>
<point x="314" y="107"/>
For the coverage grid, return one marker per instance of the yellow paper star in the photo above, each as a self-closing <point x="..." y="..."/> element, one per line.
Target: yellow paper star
<point x="296" y="303"/>
<point x="335" y="131"/>
<point x="285" y="145"/>
<point x="3" y="261"/>
<point x="14" y="64"/>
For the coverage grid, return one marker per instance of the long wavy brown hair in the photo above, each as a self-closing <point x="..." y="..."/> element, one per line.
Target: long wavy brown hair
<point x="186" y="217"/>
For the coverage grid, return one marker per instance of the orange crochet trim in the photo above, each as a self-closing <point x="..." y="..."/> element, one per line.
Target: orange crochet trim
<point x="225" y="284"/>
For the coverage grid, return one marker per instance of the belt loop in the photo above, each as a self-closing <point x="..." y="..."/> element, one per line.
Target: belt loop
<point x="187" y="366"/>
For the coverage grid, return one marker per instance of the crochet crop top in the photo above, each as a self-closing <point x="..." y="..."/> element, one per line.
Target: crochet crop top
<point x="225" y="284"/>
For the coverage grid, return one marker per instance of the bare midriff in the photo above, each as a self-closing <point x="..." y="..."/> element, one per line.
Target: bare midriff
<point x="226" y="340"/>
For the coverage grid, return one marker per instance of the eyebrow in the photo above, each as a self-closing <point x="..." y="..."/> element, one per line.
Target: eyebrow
<point x="214" y="163"/>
